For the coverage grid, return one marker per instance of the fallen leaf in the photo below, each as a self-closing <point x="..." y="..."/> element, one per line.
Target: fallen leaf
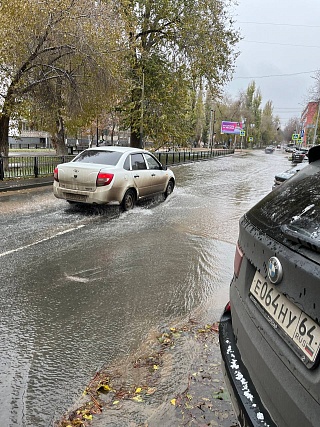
<point x="104" y="388"/>
<point x="221" y="395"/>
<point x="87" y="417"/>
<point x="173" y="402"/>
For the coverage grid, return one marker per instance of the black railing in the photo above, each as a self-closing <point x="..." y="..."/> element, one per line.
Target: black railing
<point x="14" y="167"/>
<point x="177" y="157"/>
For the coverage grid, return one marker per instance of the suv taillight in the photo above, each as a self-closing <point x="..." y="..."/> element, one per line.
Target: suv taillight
<point x="237" y="260"/>
<point x="55" y="174"/>
<point x="104" y="178"/>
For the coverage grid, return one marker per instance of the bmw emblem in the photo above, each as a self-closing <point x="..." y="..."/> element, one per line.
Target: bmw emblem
<point x="275" y="271"/>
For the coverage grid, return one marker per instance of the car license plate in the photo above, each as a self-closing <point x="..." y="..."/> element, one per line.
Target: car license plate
<point x="75" y="197"/>
<point x="303" y="331"/>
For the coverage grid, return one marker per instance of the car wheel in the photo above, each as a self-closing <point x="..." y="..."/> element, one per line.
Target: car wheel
<point x="169" y="189"/>
<point x="128" y="200"/>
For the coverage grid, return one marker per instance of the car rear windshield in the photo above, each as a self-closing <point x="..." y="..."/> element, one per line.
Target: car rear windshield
<point x="293" y="210"/>
<point x="100" y="157"/>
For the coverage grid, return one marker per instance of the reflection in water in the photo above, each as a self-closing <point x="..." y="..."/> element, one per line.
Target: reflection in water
<point x="79" y="300"/>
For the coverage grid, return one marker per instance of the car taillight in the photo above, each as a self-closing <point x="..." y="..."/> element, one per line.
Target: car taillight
<point x="227" y="308"/>
<point x="55" y="174"/>
<point x="237" y="260"/>
<point x="104" y="178"/>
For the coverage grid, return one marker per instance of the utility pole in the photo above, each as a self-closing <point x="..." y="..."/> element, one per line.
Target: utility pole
<point x="97" y="133"/>
<point x="316" y="126"/>
<point x="142" y="112"/>
<point x="212" y="136"/>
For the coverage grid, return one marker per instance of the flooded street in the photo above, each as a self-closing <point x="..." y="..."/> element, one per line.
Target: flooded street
<point x="81" y="288"/>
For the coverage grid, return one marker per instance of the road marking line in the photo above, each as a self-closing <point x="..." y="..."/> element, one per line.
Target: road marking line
<point x="42" y="240"/>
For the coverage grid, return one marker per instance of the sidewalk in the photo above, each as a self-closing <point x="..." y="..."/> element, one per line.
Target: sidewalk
<point x="20" y="184"/>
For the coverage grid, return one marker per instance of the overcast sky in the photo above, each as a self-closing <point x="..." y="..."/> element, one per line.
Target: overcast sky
<point x="281" y="39"/>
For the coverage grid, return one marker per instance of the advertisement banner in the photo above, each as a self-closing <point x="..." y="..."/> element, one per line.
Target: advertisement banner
<point x="231" y="127"/>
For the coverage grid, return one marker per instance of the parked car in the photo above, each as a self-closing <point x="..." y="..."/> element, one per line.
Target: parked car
<point x="299" y="155"/>
<point x="269" y="333"/>
<point x="120" y="175"/>
<point x="283" y="176"/>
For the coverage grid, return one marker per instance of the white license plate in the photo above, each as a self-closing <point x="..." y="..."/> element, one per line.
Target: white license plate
<point x="76" y="197"/>
<point x="303" y="331"/>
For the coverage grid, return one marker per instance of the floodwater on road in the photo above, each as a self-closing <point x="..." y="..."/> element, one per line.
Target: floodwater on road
<point x="81" y="288"/>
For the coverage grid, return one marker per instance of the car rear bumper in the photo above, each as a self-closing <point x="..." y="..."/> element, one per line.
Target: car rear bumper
<point x="99" y="196"/>
<point x="246" y="401"/>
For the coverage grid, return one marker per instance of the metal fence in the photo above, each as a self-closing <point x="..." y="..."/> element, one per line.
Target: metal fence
<point x="15" y="167"/>
<point x="177" y="157"/>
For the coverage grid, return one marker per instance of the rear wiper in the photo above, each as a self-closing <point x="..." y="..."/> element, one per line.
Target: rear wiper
<point x="301" y="236"/>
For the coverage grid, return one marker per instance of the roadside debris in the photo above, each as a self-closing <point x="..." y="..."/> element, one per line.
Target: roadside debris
<point x="197" y="397"/>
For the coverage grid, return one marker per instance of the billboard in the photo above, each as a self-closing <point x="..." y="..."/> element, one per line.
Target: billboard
<point x="231" y="127"/>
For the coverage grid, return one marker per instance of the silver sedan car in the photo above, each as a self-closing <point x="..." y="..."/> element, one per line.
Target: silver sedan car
<point x="117" y="175"/>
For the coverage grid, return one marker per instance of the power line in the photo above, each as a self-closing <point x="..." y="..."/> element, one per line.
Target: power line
<point x="276" y="75"/>
<point x="280" y="44"/>
<point x="279" y="24"/>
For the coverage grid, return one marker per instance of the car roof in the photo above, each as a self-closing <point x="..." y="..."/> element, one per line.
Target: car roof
<point x="119" y="149"/>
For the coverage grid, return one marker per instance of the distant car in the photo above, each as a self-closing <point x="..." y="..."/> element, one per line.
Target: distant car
<point x="269" y="149"/>
<point x="269" y="333"/>
<point x="118" y="175"/>
<point x="283" y="176"/>
<point x="290" y="149"/>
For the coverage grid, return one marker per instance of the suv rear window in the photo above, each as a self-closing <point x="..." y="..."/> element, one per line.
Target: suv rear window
<point x="293" y="210"/>
<point x="99" y="157"/>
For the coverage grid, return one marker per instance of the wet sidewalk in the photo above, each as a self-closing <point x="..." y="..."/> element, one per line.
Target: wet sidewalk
<point x="24" y="183"/>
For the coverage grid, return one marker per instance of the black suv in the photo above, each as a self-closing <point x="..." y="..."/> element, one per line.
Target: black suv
<point x="270" y="331"/>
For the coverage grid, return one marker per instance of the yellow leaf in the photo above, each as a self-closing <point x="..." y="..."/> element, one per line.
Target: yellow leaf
<point x="87" y="417"/>
<point x="138" y="390"/>
<point x="104" y="387"/>
<point x="115" y="402"/>
<point x="137" y="399"/>
<point x="155" y="367"/>
<point x="173" y="402"/>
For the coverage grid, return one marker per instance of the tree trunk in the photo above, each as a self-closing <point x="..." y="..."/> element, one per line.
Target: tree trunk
<point x="58" y="139"/>
<point x="4" y="134"/>
<point x="135" y="139"/>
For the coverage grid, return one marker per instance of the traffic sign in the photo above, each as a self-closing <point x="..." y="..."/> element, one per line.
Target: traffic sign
<point x="242" y="133"/>
<point x="295" y="136"/>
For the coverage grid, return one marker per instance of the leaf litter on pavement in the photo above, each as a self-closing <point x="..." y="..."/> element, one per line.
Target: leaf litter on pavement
<point x="177" y="382"/>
